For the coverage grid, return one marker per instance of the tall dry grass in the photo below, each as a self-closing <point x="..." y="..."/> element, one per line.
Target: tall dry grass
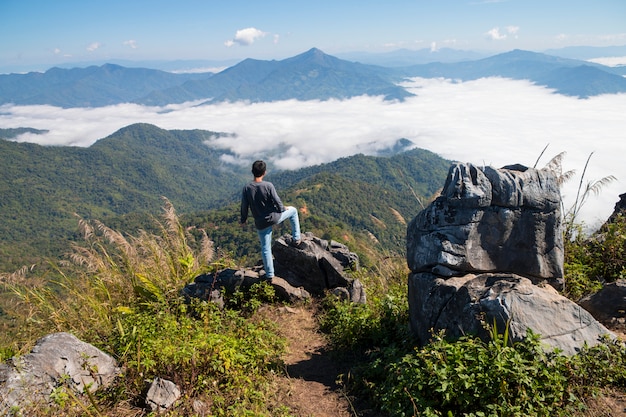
<point x="111" y="274"/>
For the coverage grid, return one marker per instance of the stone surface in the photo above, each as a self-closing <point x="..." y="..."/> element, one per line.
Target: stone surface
<point x="484" y="252"/>
<point x="57" y="360"/>
<point x="162" y="394"/>
<point x="491" y="220"/>
<point x="462" y="305"/>
<point x="316" y="265"/>
<point x="288" y="292"/>
<point x="619" y="209"/>
<point x="309" y="269"/>
<point x="607" y="304"/>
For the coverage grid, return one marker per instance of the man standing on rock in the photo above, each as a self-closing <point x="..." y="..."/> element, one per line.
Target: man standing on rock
<point x="267" y="209"/>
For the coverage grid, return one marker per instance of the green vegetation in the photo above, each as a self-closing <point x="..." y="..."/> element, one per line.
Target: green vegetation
<point x="121" y="290"/>
<point x="464" y="377"/>
<point x="592" y="261"/>
<point x="121" y="178"/>
<point x="122" y="294"/>
<point x="125" y="173"/>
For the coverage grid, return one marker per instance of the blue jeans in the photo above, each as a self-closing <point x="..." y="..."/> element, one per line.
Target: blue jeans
<point x="265" y="236"/>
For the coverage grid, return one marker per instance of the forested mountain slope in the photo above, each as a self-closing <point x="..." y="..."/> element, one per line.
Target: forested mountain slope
<point x="122" y="178"/>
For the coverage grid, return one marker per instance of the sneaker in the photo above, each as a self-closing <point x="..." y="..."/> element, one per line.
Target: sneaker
<point x="296" y="243"/>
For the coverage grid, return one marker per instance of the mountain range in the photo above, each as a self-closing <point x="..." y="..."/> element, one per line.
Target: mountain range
<point x="566" y="76"/>
<point x="312" y="75"/>
<point x="120" y="180"/>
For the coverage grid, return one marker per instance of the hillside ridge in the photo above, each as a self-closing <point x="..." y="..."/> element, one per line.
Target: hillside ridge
<point x="123" y="177"/>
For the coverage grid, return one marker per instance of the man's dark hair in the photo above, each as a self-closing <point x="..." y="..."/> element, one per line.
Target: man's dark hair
<point x="258" y="169"/>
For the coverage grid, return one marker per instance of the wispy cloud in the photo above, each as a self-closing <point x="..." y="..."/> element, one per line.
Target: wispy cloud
<point x="614" y="37"/>
<point x="131" y="43"/>
<point x="94" y="46"/>
<point x="486" y="122"/>
<point x="245" y="37"/>
<point x="512" y="30"/>
<point x="496" y="35"/>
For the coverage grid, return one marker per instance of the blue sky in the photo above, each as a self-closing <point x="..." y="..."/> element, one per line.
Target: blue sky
<point x="45" y="33"/>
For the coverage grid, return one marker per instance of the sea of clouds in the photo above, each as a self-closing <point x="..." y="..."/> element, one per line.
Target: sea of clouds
<point x="490" y="121"/>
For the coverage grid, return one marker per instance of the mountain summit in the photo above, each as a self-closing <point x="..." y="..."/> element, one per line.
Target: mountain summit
<point x="312" y="75"/>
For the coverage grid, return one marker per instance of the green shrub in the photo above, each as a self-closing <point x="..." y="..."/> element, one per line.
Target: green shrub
<point x="474" y="378"/>
<point x="198" y="347"/>
<point x="248" y="302"/>
<point x="599" y="366"/>
<point x="382" y="321"/>
<point x="607" y="250"/>
<point x="592" y="261"/>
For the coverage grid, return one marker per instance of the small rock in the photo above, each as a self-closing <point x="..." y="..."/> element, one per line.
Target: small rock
<point x="162" y="394"/>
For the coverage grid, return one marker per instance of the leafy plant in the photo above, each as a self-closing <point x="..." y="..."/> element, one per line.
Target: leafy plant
<point x="248" y="302"/>
<point x="584" y="257"/>
<point x="475" y="378"/>
<point x="607" y="250"/>
<point x="592" y="261"/>
<point x="383" y="320"/>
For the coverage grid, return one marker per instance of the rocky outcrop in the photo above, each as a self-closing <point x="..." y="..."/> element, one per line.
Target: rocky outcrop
<point x="58" y="361"/>
<point x="609" y="303"/>
<point x="482" y="253"/>
<point x="464" y="305"/>
<point x="491" y="220"/>
<point x="308" y="269"/>
<point x="619" y="209"/>
<point x="316" y="264"/>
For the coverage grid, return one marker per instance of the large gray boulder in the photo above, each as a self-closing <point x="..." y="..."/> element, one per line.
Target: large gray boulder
<point x="311" y="268"/>
<point x="464" y="305"/>
<point x="484" y="250"/>
<point x="491" y="220"/>
<point x="57" y="361"/>
<point x="316" y="264"/>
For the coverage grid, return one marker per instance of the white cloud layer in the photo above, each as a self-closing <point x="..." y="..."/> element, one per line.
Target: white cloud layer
<point x="611" y="61"/>
<point x="487" y="122"/>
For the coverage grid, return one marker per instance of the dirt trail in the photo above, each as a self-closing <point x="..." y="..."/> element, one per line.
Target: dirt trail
<point x="309" y="387"/>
